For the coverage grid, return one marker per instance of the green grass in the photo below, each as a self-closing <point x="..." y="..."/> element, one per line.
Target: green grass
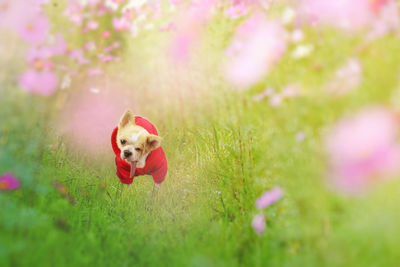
<point x="223" y="152"/>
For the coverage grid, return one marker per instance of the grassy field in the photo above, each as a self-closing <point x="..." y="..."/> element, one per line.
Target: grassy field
<point x="223" y="150"/>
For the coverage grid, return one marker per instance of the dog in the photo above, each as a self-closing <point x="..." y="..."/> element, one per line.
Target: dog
<point x="137" y="149"/>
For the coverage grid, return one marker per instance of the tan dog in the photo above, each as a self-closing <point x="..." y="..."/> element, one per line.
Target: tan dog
<point x="136" y="143"/>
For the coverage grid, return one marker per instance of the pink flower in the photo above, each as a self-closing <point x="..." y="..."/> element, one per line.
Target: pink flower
<point x="94" y="72"/>
<point x="120" y="24"/>
<point x="363" y="147"/>
<point x="269" y="197"/>
<point x="347" y="77"/>
<point x="235" y="11"/>
<point x="59" y="46"/>
<point x="92" y="25"/>
<point x="90" y="46"/>
<point x="105" y="34"/>
<point x="9" y="182"/>
<point x="343" y="14"/>
<point x="34" y="29"/>
<point x="258" y="223"/>
<point x="257" y="45"/>
<point x="78" y="55"/>
<point x="41" y="83"/>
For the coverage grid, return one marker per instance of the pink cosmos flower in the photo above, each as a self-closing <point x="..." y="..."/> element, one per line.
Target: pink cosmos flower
<point x="78" y="55"/>
<point x="190" y="27"/>
<point x="90" y="46"/>
<point x="257" y="45"/>
<point x="9" y="182"/>
<point x="39" y="82"/>
<point x="363" y="148"/>
<point x="269" y="197"/>
<point x="387" y="18"/>
<point x="347" y="77"/>
<point x="34" y="29"/>
<point x="347" y="15"/>
<point x="94" y="72"/>
<point x="105" y="34"/>
<point x="92" y="25"/>
<point x="236" y="11"/>
<point x="120" y="24"/>
<point x="258" y="223"/>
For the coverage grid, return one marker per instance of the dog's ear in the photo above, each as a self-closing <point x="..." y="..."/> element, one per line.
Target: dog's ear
<point x="153" y="142"/>
<point x="126" y="119"/>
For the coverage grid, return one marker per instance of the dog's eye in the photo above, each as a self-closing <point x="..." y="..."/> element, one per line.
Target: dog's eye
<point x="123" y="142"/>
<point x="138" y="149"/>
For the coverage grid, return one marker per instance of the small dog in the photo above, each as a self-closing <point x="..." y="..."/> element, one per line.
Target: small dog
<point x="137" y="149"/>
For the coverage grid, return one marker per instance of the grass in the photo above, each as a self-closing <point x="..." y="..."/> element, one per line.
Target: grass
<point x="223" y="152"/>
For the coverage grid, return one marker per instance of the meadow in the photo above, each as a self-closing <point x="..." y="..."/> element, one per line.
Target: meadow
<point x="224" y="147"/>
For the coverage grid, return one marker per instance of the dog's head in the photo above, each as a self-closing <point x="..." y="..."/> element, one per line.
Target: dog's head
<point x="134" y="141"/>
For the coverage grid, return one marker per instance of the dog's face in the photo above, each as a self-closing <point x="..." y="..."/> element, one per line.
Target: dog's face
<point x="134" y="141"/>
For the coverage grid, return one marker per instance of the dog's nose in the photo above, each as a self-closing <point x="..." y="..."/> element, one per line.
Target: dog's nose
<point x="127" y="153"/>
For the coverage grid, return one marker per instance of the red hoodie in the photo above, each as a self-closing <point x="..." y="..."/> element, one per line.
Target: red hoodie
<point x="156" y="162"/>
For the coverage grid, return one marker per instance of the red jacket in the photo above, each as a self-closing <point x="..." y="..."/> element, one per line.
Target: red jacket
<point x="156" y="162"/>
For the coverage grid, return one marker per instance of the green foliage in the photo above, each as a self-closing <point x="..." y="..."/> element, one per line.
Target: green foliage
<point x="222" y="155"/>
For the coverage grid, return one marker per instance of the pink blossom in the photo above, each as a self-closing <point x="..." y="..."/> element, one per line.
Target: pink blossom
<point x="342" y="14"/>
<point x="120" y="24"/>
<point x="236" y="11"/>
<point x="94" y="72"/>
<point x="59" y="47"/>
<point x="347" y="77"/>
<point x="34" y="29"/>
<point x="266" y="93"/>
<point x="9" y="182"/>
<point x="78" y="55"/>
<point x="90" y="46"/>
<point x="363" y="148"/>
<point x="256" y="47"/>
<point x="92" y="25"/>
<point x="191" y="26"/>
<point x="387" y="18"/>
<point x="258" y="223"/>
<point x="105" y="34"/>
<point x="39" y="82"/>
<point x="269" y="197"/>
<point x="300" y="136"/>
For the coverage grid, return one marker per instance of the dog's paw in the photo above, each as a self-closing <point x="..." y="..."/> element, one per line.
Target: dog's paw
<point x="157" y="186"/>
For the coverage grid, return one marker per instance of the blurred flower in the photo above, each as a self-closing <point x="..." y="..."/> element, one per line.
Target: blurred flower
<point x="275" y="100"/>
<point x="120" y="24"/>
<point x="257" y="45"/>
<point x="347" y="77"/>
<point x="258" y="223"/>
<point x="266" y="93"/>
<point x="302" y="51"/>
<point x="269" y="197"/>
<point x="342" y="14"/>
<point x="94" y="72"/>
<point x="236" y="10"/>
<point x="300" y="136"/>
<point x="189" y="29"/>
<point x="362" y="148"/>
<point x="92" y="25"/>
<point x="78" y="55"/>
<point x="90" y="46"/>
<point x="39" y="82"/>
<point x="297" y="36"/>
<point x="387" y="18"/>
<point x="9" y="182"/>
<point x="34" y="29"/>
<point x="288" y="15"/>
<point x="105" y="34"/>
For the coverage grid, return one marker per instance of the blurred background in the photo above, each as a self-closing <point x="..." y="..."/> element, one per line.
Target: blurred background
<point x="280" y="121"/>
